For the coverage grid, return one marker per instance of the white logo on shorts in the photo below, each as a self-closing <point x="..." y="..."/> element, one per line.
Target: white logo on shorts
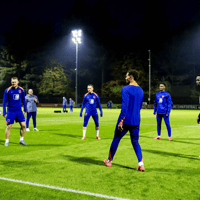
<point x="16" y="96"/>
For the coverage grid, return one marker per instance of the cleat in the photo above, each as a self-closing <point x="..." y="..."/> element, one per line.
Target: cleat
<point x="27" y="129"/>
<point x="6" y="144"/>
<point x="35" y="129"/>
<point x="141" y="168"/>
<point x="108" y="164"/>
<point x="83" y="138"/>
<point x="98" y="138"/>
<point x="170" y="139"/>
<point x="157" y="138"/>
<point x="22" y="142"/>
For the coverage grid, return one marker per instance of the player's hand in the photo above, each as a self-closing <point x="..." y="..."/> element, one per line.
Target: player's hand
<point x="167" y="115"/>
<point x="80" y="114"/>
<point x="24" y="113"/>
<point x="198" y="120"/>
<point x="154" y="113"/>
<point x="120" y="127"/>
<point x="5" y="115"/>
<point x="35" y="100"/>
<point x="101" y="114"/>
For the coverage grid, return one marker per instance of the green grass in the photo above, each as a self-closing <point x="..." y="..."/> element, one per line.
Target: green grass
<point x="56" y="156"/>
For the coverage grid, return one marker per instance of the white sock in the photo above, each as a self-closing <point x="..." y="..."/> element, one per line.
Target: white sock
<point x="109" y="161"/>
<point x="84" y="133"/>
<point x="97" y="131"/>
<point x="21" y="138"/>
<point x="7" y="140"/>
<point x="140" y="163"/>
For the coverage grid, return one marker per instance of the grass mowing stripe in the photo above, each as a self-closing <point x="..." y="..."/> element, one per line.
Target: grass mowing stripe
<point x="63" y="189"/>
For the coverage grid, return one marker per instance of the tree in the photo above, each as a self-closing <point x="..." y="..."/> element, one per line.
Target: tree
<point x="54" y="80"/>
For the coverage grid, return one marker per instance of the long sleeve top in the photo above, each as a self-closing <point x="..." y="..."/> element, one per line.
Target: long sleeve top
<point x="30" y="103"/>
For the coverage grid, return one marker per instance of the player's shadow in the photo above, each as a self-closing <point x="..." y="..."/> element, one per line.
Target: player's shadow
<point x="89" y="161"/>
<point x="164" y="153"/>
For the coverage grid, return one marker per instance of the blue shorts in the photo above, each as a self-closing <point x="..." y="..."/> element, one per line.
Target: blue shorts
<point x="95" y="117"/>
<point x="17" y="116"/>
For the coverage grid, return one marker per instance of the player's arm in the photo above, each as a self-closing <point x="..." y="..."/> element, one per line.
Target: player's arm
<point x="26" y="98"/>
<point x="5" y="99"/>
<point x="24" y="101"/>
<point x="155" y="105"/>
<point x="169" y="104"/>
<point x="198" y="119"/>
<point x="125" y="102"/>
<point x="99" y="104"/>
<point x="36" y="100"/>
<point x="83" y="106"/>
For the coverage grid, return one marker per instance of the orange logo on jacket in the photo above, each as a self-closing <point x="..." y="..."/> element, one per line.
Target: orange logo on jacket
<point x="163" y="96"/>
<point x="94" y="97"/>
<point x="19" y="91"/>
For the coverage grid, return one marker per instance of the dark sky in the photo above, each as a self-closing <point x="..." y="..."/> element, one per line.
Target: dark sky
<point x="126" y="13"/>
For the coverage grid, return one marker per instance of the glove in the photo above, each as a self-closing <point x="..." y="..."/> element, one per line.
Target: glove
<point x="80" y="114"/>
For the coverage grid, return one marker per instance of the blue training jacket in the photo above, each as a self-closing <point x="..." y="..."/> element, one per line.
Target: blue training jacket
<point x="64" y="102"/>
<point x="30" y="103"/>
<point x="71" y="102"/>
<point x="12" y="99"/>
<point x="91" y="101"/>
<point x="132" y="98"/>
<point x="163" y="103"/>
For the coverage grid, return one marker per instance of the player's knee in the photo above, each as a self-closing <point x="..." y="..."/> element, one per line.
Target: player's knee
<point x="9" y="127"/>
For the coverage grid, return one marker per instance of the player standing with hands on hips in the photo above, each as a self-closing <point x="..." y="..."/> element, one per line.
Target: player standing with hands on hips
<point x="129" y="118"/>
<point x="90" y="101"/>
<point x="31" y="102"/>
<point x="12" y="99"/>
<point x="162" y="109"/>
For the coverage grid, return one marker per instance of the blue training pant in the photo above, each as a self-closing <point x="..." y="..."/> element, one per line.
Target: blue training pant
<point x="71" y="108"/>
<point x="134" y="134"/>
<point x="29" y="114"/>
<point x="95" y="117"/>
<point x="64" y="108"/>
<point x="159" y="120"/>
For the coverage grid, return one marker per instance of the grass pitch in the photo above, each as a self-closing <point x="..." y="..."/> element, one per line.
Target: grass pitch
<point x="57" y="156"/>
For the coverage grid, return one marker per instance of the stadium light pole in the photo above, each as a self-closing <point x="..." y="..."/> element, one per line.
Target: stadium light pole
<point x="77" y="40"/>
<point x="149" y="99"/>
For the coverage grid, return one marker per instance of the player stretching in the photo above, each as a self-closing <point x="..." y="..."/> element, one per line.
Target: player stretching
<point x="64" y="104"/>
<point x="31" y="101"/>
<point x="71" y="103"/>
<point x="129" y="118"/>
<point x="162" y="108"/>
<point x="198" y="84"/>
<point x="90" y="101"/>
<point x="12" y="99"/>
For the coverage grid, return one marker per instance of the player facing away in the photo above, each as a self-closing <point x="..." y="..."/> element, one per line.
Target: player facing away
<point x="31" y="103"/>
<point x="198" y="84"/>
<point x="162" y="109"/>
<point x="91" y="101"/>
<point x="12" y="99"/>
<point x="64" y="104"/>
<point x="71" y="103"/>
<point x="129" y="118"/>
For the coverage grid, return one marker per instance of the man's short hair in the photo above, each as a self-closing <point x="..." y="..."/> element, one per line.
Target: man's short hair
<point x="134" y="73"/>
<point x="163" y="84"/>
<point x="14" y="78"/>
<point x="91" y="85"/>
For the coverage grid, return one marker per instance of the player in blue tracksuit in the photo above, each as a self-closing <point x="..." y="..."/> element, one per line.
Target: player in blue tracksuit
<point x="91" y="101"/>
<point x="198" y="84"/>
<point x="162" y="109"/>
<point x="71" y="103"/>
<point x="31" y="103"/>
<point x="64" y="104"/>
<point x="12" y="99"/>
<point x="129" y="118"/>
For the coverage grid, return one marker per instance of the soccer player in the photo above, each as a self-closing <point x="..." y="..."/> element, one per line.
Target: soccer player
<point x="12" y="99"/>
<point x="71" y="103"/>
<point x="198" y="84"/>
<point x="90" y="101"/>
<point x="162" y="109"/>
<point x="31" y="102"/>
<point x="64" y="104"/>
<point x="129" y="118"/>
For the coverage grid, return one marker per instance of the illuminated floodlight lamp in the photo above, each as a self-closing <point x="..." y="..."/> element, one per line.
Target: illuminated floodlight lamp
<point x="77" y="36"/>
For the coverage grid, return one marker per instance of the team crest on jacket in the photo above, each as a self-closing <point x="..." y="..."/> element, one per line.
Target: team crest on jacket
<point x="94" y="97"/>
<point x="19" y="91"/>
<point x="163" y="96"/>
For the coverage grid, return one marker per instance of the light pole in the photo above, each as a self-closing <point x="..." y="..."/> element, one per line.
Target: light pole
<point x="149" y="99"/>
<point x="77" y="40"/>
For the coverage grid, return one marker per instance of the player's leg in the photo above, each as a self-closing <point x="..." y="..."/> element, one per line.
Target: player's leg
<point x="134" y="134"/>
<point x="34" y="114"/>
<point x="28" y="116"/>
<point x="72" y="108"/>
<point x="159" y="120"/>
<point x="166" y="119"/>
<point x="63" y="108"/>
<point x="86" y="119"/>
<point x="114" y="145"/>
<point x="96" y="121"/>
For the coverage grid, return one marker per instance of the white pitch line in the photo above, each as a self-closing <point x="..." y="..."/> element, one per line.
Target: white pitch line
<point x="63" y="189"/>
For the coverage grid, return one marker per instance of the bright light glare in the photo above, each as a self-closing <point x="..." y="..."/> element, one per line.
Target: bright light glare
<point x="77" y="36"/>
<point x="79" y="33"/>
<point x="79" y="40"/>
